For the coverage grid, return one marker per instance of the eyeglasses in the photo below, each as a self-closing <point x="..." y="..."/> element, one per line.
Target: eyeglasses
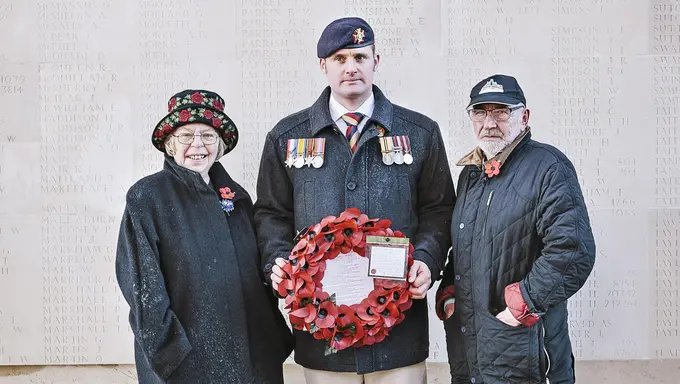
<point x="188" y="138"/>
<point x="498" y="114"/>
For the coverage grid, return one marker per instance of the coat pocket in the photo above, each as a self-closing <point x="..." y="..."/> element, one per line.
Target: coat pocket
<point x="508" y="354"/>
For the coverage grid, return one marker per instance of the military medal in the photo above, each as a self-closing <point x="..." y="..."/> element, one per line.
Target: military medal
<point x="408" y="158"/>
<point x="309" y="144"/>
<point x="299" y="160"/>
<point x="290" y="153"/>
<point x="397" y="156"/>
<point x="318" y="152"/>
<point x="386" y="150"/>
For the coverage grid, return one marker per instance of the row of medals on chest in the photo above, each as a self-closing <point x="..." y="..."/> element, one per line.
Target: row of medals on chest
<point x="310" y="152"/>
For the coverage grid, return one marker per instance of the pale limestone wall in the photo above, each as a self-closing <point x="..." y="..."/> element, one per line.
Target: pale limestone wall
<point x="82" y="82"/>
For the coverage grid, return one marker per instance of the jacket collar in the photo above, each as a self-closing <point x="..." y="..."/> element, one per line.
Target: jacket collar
<point x="219" y="178"/>
<point x="320" y="115"/>
<point x="478" y="158"/>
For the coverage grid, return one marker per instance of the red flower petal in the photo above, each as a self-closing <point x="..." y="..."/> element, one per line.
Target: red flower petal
<point x="197" y="98"/>
<point x="326" y="315"/>
<point x="390" y="315"/>
<point x="208" y="114"/>
<point x="341" y="340"/>
<point x="379" y="298"/>
<point x="366" y="313"/>
<point x="184" y="116"/>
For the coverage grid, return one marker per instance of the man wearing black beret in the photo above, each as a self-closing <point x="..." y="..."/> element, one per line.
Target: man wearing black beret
<point x="522" y="246"/>
<point x="385" y="160"/>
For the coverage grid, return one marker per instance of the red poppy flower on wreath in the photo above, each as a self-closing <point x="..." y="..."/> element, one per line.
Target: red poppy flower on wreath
<point x="492" y="168"/>
<point x="197" y="98"/>
<point x="310" y="308"/>
<point x="184" y="116"/>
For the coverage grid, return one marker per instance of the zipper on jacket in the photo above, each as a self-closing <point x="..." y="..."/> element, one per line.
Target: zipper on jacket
<point x="547" y="356"/>
<point x="486" y="213"/>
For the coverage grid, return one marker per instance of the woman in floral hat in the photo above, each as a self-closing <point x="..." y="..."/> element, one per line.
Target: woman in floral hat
<point x="187" y="260"/>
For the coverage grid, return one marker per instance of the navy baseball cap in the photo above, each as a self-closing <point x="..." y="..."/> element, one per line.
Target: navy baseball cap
<point x="348" y="32"/>
<point x="497" y="89"/>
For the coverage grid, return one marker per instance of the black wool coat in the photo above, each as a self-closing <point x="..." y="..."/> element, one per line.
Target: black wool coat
<point x="417" y="198"/>
<point x="199" y="310"/>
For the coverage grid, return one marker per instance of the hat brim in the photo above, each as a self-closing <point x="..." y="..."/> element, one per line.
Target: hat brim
<point x="494" y="98"/>
<point x="196" y="113"/>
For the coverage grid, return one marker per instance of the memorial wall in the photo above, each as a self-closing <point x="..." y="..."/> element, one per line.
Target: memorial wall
<point x="83" y="82"/>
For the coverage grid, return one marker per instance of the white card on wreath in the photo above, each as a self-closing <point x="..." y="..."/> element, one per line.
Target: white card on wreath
<point x="388" y="257"/>
<point x="345" y="276"/>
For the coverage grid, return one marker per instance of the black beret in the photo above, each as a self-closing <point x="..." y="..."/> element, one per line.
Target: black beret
<point x="348" y="32"/>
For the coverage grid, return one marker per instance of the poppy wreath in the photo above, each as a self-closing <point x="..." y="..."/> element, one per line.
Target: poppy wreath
<point x="312" y="309"/>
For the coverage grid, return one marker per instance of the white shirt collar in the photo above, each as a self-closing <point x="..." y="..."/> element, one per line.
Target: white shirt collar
<point x="337" y="109"/>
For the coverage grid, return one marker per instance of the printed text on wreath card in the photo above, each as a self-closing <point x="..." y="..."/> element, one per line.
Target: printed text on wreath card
<point x="346" y="277"/>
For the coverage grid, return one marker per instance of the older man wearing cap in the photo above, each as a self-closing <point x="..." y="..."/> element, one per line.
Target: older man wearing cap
<point x="385" y="160"/>
<point x="522" y="245"/>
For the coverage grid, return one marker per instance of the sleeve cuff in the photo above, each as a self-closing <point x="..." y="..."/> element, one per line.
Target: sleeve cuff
<point x="443" y="296"/>
<point x="426" y="258"/>
<point x="518" y="306"/>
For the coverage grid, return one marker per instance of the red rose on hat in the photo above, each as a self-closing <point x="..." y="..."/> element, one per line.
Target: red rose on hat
<point x="184" y="116"/>
<point x="229" y="135"/>
<point x="158" y="133"/>
<point x="171" y="104"/>
<point x="167" y="128"/>
<point x="197" y="98"/>
<point x="216" y="122"/>
<point x="218" y="105"/>
<point x="208" y="114"/>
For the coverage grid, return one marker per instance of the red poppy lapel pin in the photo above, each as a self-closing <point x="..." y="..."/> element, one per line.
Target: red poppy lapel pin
<point x="227" y="202"/>
<point x="492" y="168"/>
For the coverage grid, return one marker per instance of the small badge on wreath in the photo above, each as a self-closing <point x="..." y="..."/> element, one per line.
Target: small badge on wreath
<point x="369" y="318"/>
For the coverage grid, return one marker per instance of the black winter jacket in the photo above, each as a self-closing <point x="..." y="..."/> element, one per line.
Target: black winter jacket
<point x="528" y="224"/>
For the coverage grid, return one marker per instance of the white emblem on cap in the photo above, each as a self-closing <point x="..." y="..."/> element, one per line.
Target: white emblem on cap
<point x="491" y="86"/>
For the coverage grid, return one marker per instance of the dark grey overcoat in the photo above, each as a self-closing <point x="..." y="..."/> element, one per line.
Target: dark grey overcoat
<point x="417" y="198"/>
<point x="199" y="310"/>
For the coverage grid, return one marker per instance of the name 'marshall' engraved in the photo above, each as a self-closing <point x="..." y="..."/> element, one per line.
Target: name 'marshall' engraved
<point x="89" y="309"/>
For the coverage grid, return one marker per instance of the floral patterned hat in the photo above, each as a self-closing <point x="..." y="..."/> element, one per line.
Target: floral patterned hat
<point x="196" y="106"/>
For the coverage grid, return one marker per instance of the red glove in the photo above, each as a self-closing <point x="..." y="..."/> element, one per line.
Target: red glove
<point x="518" y="307"/>
<point x="443" y="294"/>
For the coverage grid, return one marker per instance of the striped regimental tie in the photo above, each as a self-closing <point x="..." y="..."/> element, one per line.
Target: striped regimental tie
<point x="352" y="119"/>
